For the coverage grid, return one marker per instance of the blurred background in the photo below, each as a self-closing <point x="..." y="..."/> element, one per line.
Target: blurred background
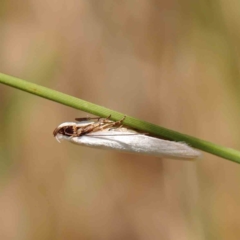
<point x="172" y="63"/>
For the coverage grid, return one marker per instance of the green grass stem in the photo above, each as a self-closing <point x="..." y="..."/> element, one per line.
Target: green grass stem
<point x="135" y="123"/>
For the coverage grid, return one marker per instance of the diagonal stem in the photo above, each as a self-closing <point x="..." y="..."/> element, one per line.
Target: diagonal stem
<point x="97" y="110"/>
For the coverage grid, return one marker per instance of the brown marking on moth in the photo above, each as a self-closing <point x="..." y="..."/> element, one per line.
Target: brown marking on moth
<point x="101" y="124"/>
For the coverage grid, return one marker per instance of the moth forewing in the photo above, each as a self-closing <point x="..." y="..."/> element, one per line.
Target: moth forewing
<point x="136" y="143"/>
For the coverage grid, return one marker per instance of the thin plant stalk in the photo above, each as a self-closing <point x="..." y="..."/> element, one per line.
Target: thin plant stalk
<point x="135" y="123"/>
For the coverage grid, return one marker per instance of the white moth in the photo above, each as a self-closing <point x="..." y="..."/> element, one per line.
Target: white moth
<point x="106" y="134"/>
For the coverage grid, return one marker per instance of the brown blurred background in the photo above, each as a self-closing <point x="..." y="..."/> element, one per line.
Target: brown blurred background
<point x="172" y="63"/>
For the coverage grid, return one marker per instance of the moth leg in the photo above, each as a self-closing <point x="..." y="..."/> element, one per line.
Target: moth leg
<point x="111" y="124"/>
<point x="83" y="130"/>
<point x="86" y="119"/>
<point x="104" y="120"/>
<point x="102" y="124"/>
<point x="75" y="132"/>
<point x="90" y="118"/>
<point x="119" y="124"/>
<point x="87" y="129"/>
<point x="101" y="127"/>
<point x="91" y="127"/>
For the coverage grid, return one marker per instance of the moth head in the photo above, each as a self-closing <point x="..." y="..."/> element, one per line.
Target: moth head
<point x="64" y="130"/>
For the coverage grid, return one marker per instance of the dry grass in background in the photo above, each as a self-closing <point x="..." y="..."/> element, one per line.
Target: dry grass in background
<point x="168" y="62"/>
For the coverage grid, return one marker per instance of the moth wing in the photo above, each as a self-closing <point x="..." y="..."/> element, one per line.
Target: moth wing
<point x="131" y="141"/>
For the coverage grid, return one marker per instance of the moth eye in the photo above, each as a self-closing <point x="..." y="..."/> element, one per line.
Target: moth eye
<point x="67" y="130"/>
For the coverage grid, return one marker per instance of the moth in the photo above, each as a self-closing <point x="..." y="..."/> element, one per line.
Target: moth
<point x="106" y="134"/>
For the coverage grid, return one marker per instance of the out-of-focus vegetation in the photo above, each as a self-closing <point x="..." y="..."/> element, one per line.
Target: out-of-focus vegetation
<point x="172" y="63"/>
